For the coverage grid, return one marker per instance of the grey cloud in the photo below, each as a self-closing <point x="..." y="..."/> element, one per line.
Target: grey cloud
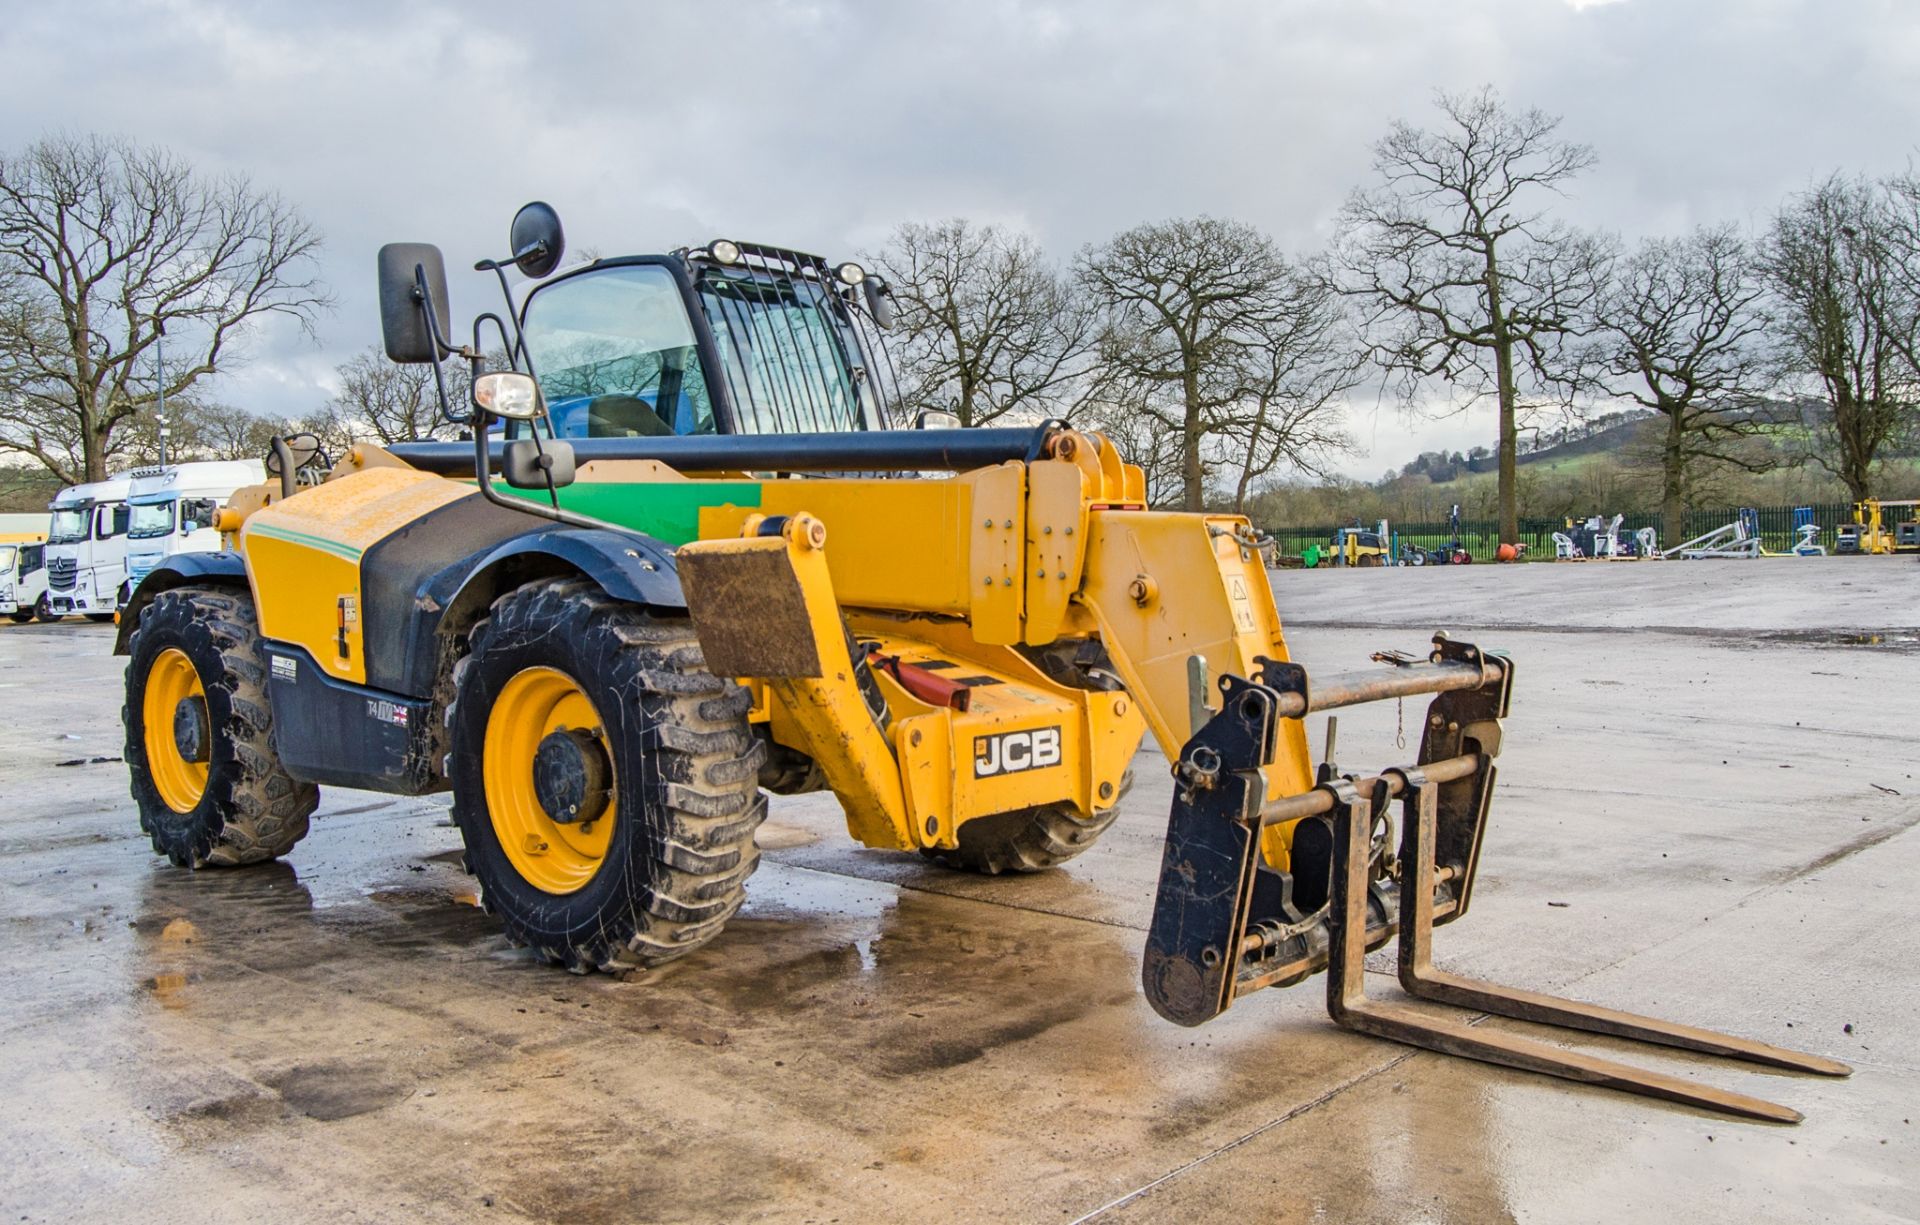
<point x="821" y="125"/>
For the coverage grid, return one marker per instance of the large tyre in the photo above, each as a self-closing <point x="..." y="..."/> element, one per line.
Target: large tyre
<point x="1028" y="839"/>
<point x="21" y="617"/>
<point x="43" y="611"/>
<point x="570" y="702"/>
<point x="99" y="618"/>
<point x="210" y="788"/>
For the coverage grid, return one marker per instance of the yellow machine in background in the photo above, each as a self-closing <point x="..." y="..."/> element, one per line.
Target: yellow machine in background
<point x="712" y="573"/>
<point x="1871" y="533"/>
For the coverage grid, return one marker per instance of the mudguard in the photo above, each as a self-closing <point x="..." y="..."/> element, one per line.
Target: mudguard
<point x="227" y="569"/>
<point x="629" y="566"/>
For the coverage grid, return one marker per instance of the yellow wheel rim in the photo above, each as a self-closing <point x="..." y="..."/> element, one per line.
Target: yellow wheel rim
<point x="170" y="681"/>
<point x="550" y="856"/>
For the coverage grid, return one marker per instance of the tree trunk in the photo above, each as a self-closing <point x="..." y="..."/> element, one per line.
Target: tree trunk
<point x="1673" y="480"/>
<point x="1509" y="443"/>
<point x="1191" y="475"/>
<point x="93" y="446"/>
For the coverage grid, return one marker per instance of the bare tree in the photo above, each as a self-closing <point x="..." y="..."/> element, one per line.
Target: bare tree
<point x="104" y="247"/>
<point x="1464" y="277"/>
<point x="1680" y="330"/>
<point x="987" y="326"/>
<point x="1848" y="315"/>
<point x="396" y="403"/>
<point x="1213" y="335"/>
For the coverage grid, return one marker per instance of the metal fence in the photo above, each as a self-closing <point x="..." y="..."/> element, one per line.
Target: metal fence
<point x="1481" y="536"/>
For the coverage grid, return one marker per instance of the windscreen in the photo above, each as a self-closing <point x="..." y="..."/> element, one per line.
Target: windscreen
<point x="782" y="352"/>
<point x="69" y="524"/>
<point x="151" y="519"/>
<point x="615" y="355"/>
<point x="7" y="554"/>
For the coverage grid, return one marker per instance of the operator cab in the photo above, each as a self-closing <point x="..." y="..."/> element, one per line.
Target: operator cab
<point x="730" y="338"/>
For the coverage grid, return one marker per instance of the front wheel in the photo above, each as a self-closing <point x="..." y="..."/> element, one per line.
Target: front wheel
<point x="605" y="782"/>
<point x="43" y="611"/>
<point x="21" y="617"/>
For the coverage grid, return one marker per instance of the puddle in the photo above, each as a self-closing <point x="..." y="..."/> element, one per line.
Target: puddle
<point x="1904" y="641"/>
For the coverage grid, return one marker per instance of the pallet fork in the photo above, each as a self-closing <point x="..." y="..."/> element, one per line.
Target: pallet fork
<point x="1226" y="924"/>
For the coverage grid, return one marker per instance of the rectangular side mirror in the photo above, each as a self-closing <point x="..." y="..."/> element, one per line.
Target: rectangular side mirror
<point x="403" y="315"/>
<point x="528" y="462"/>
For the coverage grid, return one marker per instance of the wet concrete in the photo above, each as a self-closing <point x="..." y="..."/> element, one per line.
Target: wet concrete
<point x="1688" y="824"/>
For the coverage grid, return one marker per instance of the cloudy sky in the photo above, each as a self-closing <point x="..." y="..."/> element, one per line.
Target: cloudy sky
<point x="822" y="125"/>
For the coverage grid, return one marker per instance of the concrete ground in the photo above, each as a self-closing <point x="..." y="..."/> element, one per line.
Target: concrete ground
<point x="1706" y="811"/>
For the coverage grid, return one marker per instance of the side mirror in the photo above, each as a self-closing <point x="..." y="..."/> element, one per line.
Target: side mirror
<point x="937" y="419"/>
<point x="189" y="526"/>
<point x="507" y="394"/>
<point x="538" y="241"/>
<point x="879" y="301"/>
<point x="405" y="327"/>
<point x="530" y="463"/>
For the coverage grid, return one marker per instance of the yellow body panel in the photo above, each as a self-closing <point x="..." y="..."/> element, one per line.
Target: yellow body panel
<point x="767" y="608"/>
<point x="1164" y="587"/>
<point x="303" y="556"/>
<point x="894" y="542"/>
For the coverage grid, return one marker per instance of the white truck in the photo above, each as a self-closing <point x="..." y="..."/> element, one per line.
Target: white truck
<point x="172" y="510"/>
<point x="87" y="549"/>
<point x="23" y="575"/>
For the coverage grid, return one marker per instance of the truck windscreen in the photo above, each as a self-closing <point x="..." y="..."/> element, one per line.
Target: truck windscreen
<point x="69" y="524"/>
<point x="151" y="519"/>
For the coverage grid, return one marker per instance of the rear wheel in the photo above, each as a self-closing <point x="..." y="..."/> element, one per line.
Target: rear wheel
<point x="210" y="788"/>
<point x="604" y="781"/>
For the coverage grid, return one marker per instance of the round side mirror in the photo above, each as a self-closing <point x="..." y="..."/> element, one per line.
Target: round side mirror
<point x="537" y="240"/>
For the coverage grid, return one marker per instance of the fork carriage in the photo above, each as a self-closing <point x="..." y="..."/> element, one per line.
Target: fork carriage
<point x="1226" y="924"/>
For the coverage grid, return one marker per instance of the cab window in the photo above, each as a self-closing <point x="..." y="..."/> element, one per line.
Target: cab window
<point x="615" y="355"/>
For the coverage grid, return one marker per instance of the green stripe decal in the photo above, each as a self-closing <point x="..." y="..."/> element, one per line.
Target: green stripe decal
<point x="666" y="510"/>
<point x="290" y="536"/>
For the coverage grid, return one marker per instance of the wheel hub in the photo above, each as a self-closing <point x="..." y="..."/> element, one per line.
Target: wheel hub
<point x="572" y="777"/>
<point x="191" y="735"/>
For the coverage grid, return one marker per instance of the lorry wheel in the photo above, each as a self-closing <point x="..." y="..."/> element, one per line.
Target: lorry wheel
<point x="605" y="783"/>
<point x="1027" y="839"/>
<point x="22" y="617"/>
<point x="210" y="788"/>
<point x="43" y="611"/>
<point x="99" y="618"/>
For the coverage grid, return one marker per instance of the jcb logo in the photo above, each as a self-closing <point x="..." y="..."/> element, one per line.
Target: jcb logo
<point x="1012" y="752"/>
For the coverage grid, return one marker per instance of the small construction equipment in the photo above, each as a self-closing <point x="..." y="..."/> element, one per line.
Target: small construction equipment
<point x="1359" y="546"/>
<point x="1739" y="539"/>
<point x="683" y="561"/>
<point x="1870" y="533"/>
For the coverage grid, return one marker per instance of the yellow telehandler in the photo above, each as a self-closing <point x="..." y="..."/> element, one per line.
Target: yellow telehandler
<point x="682" y="562"/>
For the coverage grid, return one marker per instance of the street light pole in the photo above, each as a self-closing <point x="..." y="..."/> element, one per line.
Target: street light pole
<point x="160" y="383"/>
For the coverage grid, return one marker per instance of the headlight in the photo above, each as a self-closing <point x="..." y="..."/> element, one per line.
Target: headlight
<point x="507" y="394"/>
<point x="850" y="274"/>
<point x="725" y="252"/>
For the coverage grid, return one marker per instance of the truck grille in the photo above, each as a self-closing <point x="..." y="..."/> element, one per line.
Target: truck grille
<point x="61" y="572"/>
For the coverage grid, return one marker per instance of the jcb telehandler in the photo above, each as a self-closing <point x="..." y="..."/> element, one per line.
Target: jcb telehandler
<point x="713" y="572"/>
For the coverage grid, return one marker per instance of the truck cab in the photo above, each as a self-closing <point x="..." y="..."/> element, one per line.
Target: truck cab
<point x="172" y="508"/>
<point x="23" y="575"/>
<point x="87" y="549"/>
